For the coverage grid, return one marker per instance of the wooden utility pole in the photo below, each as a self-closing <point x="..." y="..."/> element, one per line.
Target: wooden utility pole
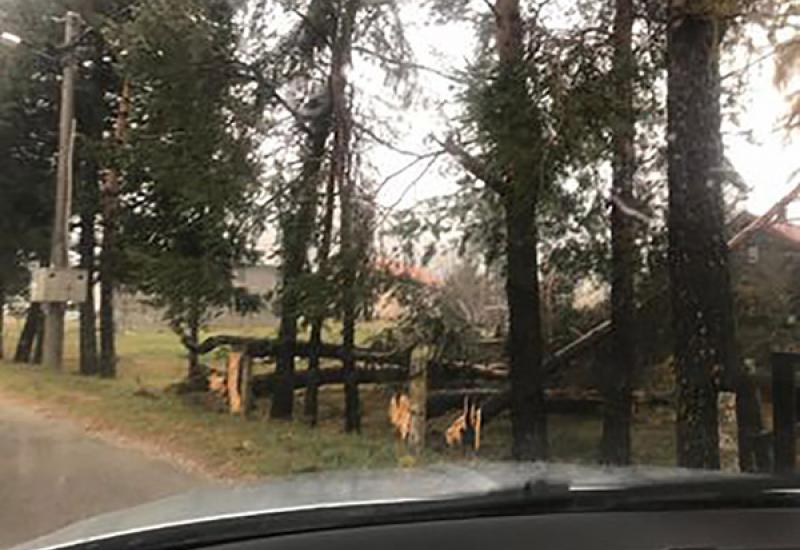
<point x="55" y="311"/>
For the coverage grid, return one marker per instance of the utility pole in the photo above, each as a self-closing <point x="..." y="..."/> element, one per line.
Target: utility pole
<point x="55" y="311"/>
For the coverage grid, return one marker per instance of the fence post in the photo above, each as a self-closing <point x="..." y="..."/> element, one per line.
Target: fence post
<point x="418" y="397"/>
<point x="783" y="410"/>
<point x="245" y="379"/>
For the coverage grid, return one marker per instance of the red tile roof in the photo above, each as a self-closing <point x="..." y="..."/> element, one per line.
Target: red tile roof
<point x="785" y="230"/>
<point x="414" y="272"/>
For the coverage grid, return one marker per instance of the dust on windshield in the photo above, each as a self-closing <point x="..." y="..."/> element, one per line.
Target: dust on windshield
<point x="252" y="238"/>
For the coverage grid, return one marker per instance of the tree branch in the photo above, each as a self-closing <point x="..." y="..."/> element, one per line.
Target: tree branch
<point x="409" y="64"/>
<point x="474" y="166"/>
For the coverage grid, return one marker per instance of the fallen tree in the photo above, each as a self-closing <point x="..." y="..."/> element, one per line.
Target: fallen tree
<point x="259" y="348"/>
<point x="498" y="401"/>
<point x="264" y="384"/>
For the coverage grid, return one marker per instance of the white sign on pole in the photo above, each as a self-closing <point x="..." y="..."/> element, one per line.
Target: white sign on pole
<point x="59" y="285"/>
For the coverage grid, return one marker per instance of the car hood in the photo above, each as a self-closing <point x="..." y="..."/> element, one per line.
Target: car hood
<point x="350" y="488"/>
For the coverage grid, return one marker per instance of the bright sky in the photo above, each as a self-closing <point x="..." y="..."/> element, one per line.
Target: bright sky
<point x="766" y="164"/>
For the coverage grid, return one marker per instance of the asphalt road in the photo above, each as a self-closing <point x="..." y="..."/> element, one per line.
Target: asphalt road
<point x="52" y="473"/>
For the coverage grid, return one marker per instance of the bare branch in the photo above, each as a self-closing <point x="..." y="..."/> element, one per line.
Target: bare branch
<point x="410" y="65"/>
<point x="389" y="209"/>
<point x="474" y="166"/>
<point x="385" y="143"/>
<point x="407" y="167"/>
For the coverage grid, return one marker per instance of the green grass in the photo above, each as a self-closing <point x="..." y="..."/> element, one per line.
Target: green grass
<point x="134" y="405"/>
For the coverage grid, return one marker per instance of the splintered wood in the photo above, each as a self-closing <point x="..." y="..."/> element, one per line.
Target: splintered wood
<point x="466" y="429"/>
<point x="400" y="415"/>
<point x="239" y="377"/>
<point x="407" y="413"/>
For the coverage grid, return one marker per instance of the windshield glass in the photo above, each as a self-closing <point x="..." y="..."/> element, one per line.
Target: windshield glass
<point x="242" y="240"/>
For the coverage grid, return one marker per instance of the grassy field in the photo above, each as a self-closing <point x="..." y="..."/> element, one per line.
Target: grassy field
<point x="135" y="408"/>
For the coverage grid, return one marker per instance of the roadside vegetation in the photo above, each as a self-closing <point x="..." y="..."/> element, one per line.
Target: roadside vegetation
<point x="582" y="144"/>
<point x="136" y="409"/>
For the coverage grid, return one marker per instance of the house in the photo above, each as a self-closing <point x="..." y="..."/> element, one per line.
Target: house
<point x="133" y="310"/>
<point x="387" y="306"/>
<point x="765" y="272"/>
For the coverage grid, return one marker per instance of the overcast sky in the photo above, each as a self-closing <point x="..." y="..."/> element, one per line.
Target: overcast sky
<point x="766" y="165"/>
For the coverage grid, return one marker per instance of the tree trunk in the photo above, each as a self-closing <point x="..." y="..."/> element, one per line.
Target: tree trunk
<point x="312" y="391"/>
<point x="518" y="136"/>
<point x="698" y="254"/>
<point x="38" y="347"/>
<point x="88" y="321"/>
<point x="108" y="353"/>
<point x="341" y="57"/>
<point x="195" y="371"/>
<point x="27" y="337"/>
<point x="528" y="418"/>
<point x="616" y="439"/>
<point x="298" y="231"/>
<point x="2" y="319"/>
<point x="109" y="200"/>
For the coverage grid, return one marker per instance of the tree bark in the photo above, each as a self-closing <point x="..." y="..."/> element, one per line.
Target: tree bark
<point x="195" y="371"/>
<point x="341" y="58"/>
<point x="298" y="234"/>
<point x="517" y="139"/>
<point x="33" y="318"/>
<point x="38" y="345"/>
<point x="616" y="383"/>
<point x="109" y="200"/>
<point x="528" y="415"/>
<point x="2" y="319"/>
<point x="311" y="404"/>
<point x="698" y="255"/>
<point x="88" y="320"/>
